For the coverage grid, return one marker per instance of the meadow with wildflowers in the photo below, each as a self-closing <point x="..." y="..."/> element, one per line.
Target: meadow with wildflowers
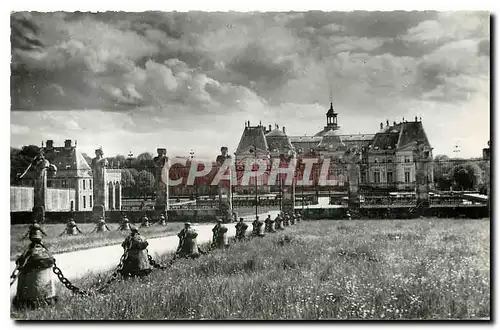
<point x="359" y="269"/>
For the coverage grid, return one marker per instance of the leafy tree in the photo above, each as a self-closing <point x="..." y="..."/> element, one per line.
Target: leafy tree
<point x="442" y="172"/>
<point x="467" y="176"/>
<point x="144" y="161"/>
<point x="20" y="160"/>
<point x="145" y="182"/>
<point x="134" y="173"/>
<point x="128" y="182"/>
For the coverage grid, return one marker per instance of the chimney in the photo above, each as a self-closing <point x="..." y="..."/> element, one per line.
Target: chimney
<point x="50" y="144"/>
<point x="270" y="127"/>
<point x="284" y="130"/>
<point x="394" y="123"/>
<point x="387" y="122"/>
<point x="381" y="126"/>
<point x="416" y="119"/>
<point x="67" y="144"/>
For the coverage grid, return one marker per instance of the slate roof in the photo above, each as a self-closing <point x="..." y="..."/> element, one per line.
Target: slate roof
<point x="277" y="141"/>
<point x="69" y="162"/>
<point x="385" y="141"/>
<point x="411" y="132"/>
<point x="305" y="143"/>
<point x="330" y="112"/>
<point x="252" y="136"/>
<point x="331" y="141"/>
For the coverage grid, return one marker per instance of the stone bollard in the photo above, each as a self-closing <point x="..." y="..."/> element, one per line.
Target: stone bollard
<point x="71" y="228"/>
<point x="292" y="219"/>
<point x="269" y="228"/>
<point x="286" y="220"/>
<point x="34" y="228"/>
<point x="125" y="224"/>
<point x="145" y="221"/>
<point x="258" y="228"/>
<point x="241" y="229"/>
<point x="188" y="245"/>
<point x="279" y="222"/>
<point x="35" y="282"/>
<point x="163" y="220"/>
<point x="101" y="226"/>
<point x="136" y="262"/>
<point x="221" y="239"/>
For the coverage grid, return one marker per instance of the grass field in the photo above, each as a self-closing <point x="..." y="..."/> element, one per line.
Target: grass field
<point x="86" y="240"/>
<point x="375" y="269"/>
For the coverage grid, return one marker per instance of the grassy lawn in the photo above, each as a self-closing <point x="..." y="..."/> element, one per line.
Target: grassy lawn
<point x="86" y="240"/>
<point x="370" y="269"/>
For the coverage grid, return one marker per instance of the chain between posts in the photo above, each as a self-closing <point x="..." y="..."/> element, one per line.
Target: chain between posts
<point x="67" y="283"/>
<point x="14" y="275"/>
<point x="115" y="274"/>
<point x="75" y="290"/>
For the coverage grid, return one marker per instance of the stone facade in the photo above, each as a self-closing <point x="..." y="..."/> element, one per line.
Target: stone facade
<point x="386" y="157"/>
<point x="72" y="187"/>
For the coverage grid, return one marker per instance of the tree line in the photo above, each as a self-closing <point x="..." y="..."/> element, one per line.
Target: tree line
<point x="461" y="174"/>
<point x="138" y="173"/>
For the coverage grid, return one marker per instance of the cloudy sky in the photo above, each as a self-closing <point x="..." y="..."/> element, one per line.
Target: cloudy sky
<point x="138" y="81"/>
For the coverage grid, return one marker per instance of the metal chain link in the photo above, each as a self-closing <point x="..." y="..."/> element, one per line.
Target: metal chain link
<point x="67" y="283"/>
<point x="14" y="275"/>
<point x="117" y="271"/>
<point x="156" y="265"/>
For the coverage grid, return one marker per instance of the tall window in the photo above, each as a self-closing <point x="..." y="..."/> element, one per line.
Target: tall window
<point x="90" y="183"/>
<point x="83" y="184"/>
<point x="389" y="177"/>
<point x="407" y="176"/>
<point x="363" y="177"/>
<point x="407" y="159"/>
<point x="375" y="160"/>
<point x="84" y="202"/>
<point x="376" y="176"/>
<point x="90" y="200"/>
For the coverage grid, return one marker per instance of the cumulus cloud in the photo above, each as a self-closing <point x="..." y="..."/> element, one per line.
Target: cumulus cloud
<point x="154" y="71"/>
<point x="450" y="26"/>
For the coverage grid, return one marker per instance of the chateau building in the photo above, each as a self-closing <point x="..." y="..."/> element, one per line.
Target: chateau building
<point x="71" y="189"/>
<point x="386" y="156"/>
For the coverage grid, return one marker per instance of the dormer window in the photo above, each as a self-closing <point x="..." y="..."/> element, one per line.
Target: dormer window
<point x="376" y="160"/>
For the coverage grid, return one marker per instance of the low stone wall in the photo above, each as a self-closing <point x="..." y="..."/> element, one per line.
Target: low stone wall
<point x="58" y="199"/>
